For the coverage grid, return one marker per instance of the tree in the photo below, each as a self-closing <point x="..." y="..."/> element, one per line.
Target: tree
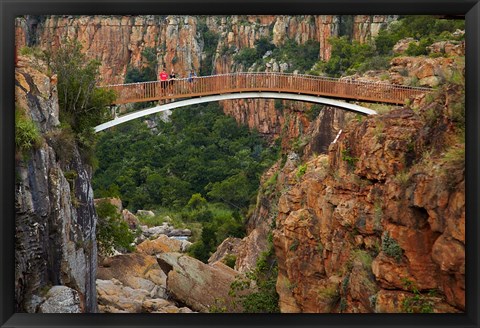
<point x="112" y="230"/>
<point x="82" y="105"/>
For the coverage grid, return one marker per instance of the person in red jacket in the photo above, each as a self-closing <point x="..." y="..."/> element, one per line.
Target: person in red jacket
<point x="163" y="80"/>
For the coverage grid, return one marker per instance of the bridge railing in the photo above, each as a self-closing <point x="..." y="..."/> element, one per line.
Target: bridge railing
<point x="276" y="82"/>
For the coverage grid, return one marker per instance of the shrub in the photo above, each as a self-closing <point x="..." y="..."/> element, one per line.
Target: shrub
<point x="246" y="57"/>
<point x="364" y="257"/>
<point x="196" y="202"/>
<point x="301" y="171"/>
<point x="293" y="247"/>
<point x="347" y="157"/>
<point x="418" y="303"/>
<point x="230" y="260"/>
<point x="418" y="49"/>
<point x="313" y="111"/>
<point x="112" y="230"/>
<point x="329" y="295"/>
<point x="391" y="248"/>
<point x="27" y="135"/>
<point x="455" y="156"/>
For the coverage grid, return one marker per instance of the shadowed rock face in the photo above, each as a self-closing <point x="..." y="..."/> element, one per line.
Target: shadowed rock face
<point x="55" y="217"/>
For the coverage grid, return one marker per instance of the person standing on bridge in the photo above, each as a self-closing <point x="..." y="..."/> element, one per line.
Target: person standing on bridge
<point x="171" y="82"/>
<point x="163" y="80"/>
<point x="191" y="76"/>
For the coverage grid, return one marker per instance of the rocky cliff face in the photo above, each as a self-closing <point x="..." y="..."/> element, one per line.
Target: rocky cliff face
<point x="55" y="215"/>
<point x="377" y="225"/>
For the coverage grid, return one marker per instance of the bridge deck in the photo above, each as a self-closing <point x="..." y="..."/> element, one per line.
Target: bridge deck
<point x="266" y="82"/>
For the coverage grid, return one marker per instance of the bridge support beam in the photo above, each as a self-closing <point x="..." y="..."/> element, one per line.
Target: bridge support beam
<point x="231" y="96"/>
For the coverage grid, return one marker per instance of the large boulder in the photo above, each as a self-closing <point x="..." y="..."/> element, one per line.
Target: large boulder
<point x="155" y="232"/>
<point x="131" y="219"/>
<point x="135" y="270"/>
<point x="145" y="213"/>
<point x="61" y="299"/>
<point x="162" y="244"/>
<point x="196" y="284"/>
<point x="115" y="297"/>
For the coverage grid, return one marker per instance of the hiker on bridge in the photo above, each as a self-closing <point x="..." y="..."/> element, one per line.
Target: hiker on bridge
<point x="191" y="79"/>
<point x="171" y="81"/>
<point x="163" y="80"/>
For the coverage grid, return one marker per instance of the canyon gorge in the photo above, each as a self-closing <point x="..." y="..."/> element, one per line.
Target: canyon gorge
<point x="359" y="214"/>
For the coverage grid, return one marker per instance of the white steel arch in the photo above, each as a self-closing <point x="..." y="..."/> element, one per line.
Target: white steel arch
<point x="269" y="95"/>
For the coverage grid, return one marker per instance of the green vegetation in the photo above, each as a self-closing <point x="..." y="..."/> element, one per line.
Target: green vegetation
<point x="82" y="106"/>
<point x="112" y="230"/>
<point x="148" y="71"/>
<point x="349" y="57"/>
<point x="364" y="257"/>
<point x="347" y="157"/>
<point x="200" y="151"/>
<point x="32" y="52"/>
<point x="248" y="56"/>
<point x="293" y="247"/>
<point x="230" y="260"/>
<point x="299" y="57"/>
<point x="210" y="42"/>
<point x="329" y="295"/>
<point x="377" y="216"/>
<point x="418" y="303"/>
<point x="426" y="29"/>
<point x="27" y="135"/>
<point x="270" y="185"/>
<point x="265" y="298"/>
<point x="217" y="224"/>
<point x="313" y="111"/>
<point x="391" y="248"/>
<point x="200" y="168"/>
<point x="301" y="171"/>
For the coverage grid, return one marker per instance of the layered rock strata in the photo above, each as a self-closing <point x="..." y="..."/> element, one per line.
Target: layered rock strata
<point x="55" y="215"/>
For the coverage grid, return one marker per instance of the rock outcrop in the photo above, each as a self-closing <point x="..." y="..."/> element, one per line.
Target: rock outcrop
<point x="61" y="299"/>
<point x="229" y="247"/>
<point x="188" y="281"/>
<point x="55" y="214"/>
<point x="378" y="224"/>
<point x="115" y="297"/>
<point x="135" y="270"/>
<point x="163" y="244"/>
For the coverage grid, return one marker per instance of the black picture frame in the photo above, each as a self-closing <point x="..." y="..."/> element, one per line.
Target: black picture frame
<point x="11" y="8"/>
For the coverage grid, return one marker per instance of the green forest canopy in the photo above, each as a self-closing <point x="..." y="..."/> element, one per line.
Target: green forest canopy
<point x="199" y="151"/>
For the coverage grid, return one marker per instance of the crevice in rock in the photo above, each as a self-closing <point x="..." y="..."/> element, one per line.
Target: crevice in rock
<point x="166" y="267"/>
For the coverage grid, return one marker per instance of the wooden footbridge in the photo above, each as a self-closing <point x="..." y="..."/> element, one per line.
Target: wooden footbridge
<point x="273" y="82"/>
<point x="258" y="85"/>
